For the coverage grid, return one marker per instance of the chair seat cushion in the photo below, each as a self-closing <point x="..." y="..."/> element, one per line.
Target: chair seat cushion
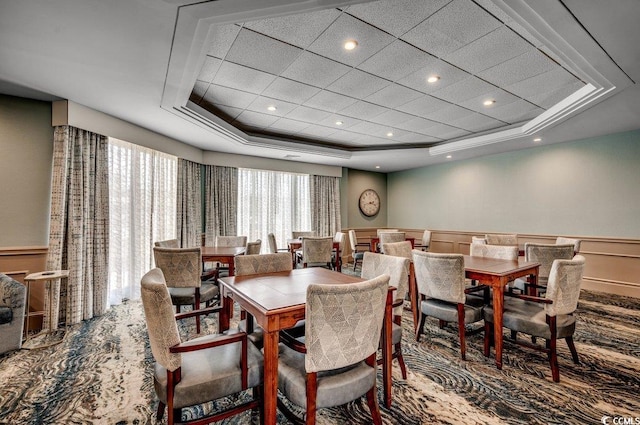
<point x="358" y="255"/>
<point x="396" y="334"/>
<point x="210" y="374"/>
<point x="6" y="315"/>
<point x="186" y="296"/>
<point x="448" y="312"/>
<point x="335" y="388"/>
<point x="530" y="318"/>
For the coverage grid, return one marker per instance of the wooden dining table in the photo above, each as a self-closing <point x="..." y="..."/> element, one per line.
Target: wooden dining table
<point x="495" y="273"/>
<point x="296" y="244"/>
<point x="221" y="254"/>
<point x="277" y="301"/>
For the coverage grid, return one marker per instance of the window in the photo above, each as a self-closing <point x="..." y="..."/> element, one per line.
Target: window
<point x="142" y="210"/>
<point x="272" y="202"/>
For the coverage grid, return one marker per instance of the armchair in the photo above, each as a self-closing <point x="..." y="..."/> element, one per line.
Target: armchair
<point x="13" y="296"/>
<point x="357" y="255"/>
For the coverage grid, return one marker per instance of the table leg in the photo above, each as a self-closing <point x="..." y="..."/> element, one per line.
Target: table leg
<point x="225" y="314"/>
<point x="387" y="353"/>
<point x="498" y="308"/>
<point x="271" y="340"/>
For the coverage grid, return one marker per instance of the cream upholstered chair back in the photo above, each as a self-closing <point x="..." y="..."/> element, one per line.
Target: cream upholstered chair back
<point x="273" y="246"/>
<point x="502" y="239"/>
<point x="502" y="252"/>
<point x="396" y="267"/>
<point x="426" y="238"/>
<point x="317" y="250"/>
<point x="478" y="240"/>
<point x="181" y="267"/>
<point x="169" y="243"/>
<point x="398" y="249"/>
<point x="560" y="240"/>
<point x="353" y="240"/>
<point x="253" y="248"/>
<point x="265" y="263"/>
<point x="296" y="234"/>
<point x="378" y="231"/>
<point x="440" y="276"/>
<point x="545" y="254"/>
<point x="231" y="241"/>
<point x="389" y="237"/>
<point x="564" y="284"/>
<point x="341" y="238"/>
<point x="161" y="323"/>
<point x="343" y="323"/>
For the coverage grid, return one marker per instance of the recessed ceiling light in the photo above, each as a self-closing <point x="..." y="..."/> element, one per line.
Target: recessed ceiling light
<point x="488" y="102"/>
<point x="350" y="45"/>
<point x="271" y="108"/>
<point x="538" y="139"/>
<point x="377" y="166"/>
<point x="448" y="156"/>
<point x="339" y="123"/>
<point x="433" y="79"/>
<point x="389" y="134"/>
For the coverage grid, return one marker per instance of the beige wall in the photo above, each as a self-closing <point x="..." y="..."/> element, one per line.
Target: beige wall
<point x="355" y="182"/>
<point x="26" y="148"/>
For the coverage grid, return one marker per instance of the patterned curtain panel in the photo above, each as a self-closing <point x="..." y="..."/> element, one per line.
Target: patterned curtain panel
<point x="142" y="210"/>
<point x="189" y="203"/>
<point x="325" y="204"/>
<point x="79" y="226"/>
<point x="221" y="202"/>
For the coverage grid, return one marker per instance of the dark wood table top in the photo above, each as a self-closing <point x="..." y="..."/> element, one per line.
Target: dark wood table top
<point x="496" y="267"/>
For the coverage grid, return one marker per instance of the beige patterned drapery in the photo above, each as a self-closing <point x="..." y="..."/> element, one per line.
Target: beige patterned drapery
<point x="79" y="225"/>
<point x="189" y="203"/>
<point x="221" y="202"/>
<point x="325" y="204"/>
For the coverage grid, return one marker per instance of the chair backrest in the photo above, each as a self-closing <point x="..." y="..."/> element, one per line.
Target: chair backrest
<point x="341" y="238"/>
<point x="505" y="239"/>
<point x="478" y="240"/>
<point x="388" y="237"/>
<point x="343" y="323"/>
<point x="564" y="284"/>
<point x="440" y="276"/>
<point x="426" y="238"/>
<point x="353" y="240"/>
<point x="378" y="231"/>
<point x="231" y="241"/>
<point x="159" y="315"/>
<point x="398" y="249"/>
<point x="502" y="252"/>
<point x="253" y="248"/>
<point x="273" y="246"/>
<point x="395" y="266"/>
<point x="265" y="263"/>
<point x="317" y="250"/>
<point x="169" y="243"/>
<point x="181" y="267"/>
<point x="560" y="240"/>
<point x="296" y="234"/>
<point x="545" y="254"/>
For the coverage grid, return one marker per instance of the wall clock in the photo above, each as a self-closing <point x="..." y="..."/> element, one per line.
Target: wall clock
<point x="369" y="202"/>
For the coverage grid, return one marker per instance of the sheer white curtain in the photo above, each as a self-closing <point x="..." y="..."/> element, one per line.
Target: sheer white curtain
<point x="142" y="209"/>
<point x="272" y="202"/>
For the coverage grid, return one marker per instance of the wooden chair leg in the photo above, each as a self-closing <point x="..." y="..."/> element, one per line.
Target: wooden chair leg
<point x="312" y="390"/>
<point x="398" y="353"/>
<point x="461" y="331"/>
<point x="514" y="335"/>
<point x="372" y="402"/>
<point x="555" y="370"/>
<point x="420" y="326"/>
<point x="488" y="335"/>
<point x="160" y="411"/>
<point x="572" y="348"/>
<point x="441" y="324"/>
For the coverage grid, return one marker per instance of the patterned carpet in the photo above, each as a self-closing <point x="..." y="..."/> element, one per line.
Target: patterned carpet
<point x="101" y="374"/>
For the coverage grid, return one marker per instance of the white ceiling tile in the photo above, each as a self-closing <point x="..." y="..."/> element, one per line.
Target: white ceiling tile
<point x="221" y="38"/>
<point x="464" y="89"/>
<point x="261" y="52"/>
<point x="448" y="74"/>
<point x="393" y="95"/>
<point x="209" y="69"/>
<point x="300" y="30"/>
<point x="358" y="84"/>
<point x="255" y="119"/>
<point x="548" y="99"/>
<point x="221" y="95"/>
<point x="418" y="125"/>
<point x="288" y="125"/>
<point x="444" y="131"/>
<point x="423" y="106"/>
<point x="317" y="130"/>
<point x="463" y="21"/>
<point x="519" y="68"/>
<point x="417" y="138"/>
<point x="477" y="123"/>
<point x="310" y="115"/>
<point x="431" y="40"/>
<point x="393" y="118"/>
<point x="363" y="110"/>
<point x="369" y="39"/>
<point x="514" y="112"/>
<point x="489" y="50"/>
<point x="227" y="113"/>
<point x="396" y="61"/>
<point x="371" y="129"/>
<point x="315" y="70"/>
<point x="396" y="16"/>
<point x="261" y="103"/>
<point x="290" y="91"/>
<point x="449" y="113"/>
<point x="346" y="121"/>
<point x="542" y="83"/>
<point x="242" y="78"/>
<point x="500" y="97"/>
<point x="328" y="101"/>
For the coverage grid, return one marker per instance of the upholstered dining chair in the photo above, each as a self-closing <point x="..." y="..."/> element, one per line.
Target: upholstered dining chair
<point x="441" y="287"/>
<point x="550" y="317"/>
<point x="297" y="234"/>
<point x="378" y="231"/>
<point x="425" y="241"/>
<point x="561" y="240"/>
<point x="169" y="243"/>
<point x="316" y="252"/>
<point x="230" y="242"/>
<point x="341" y="239"/>
<point x="355" y="252"/>
<point x="501" y="252"/>
<point x="207" y="273"/>
<point x="273" y="245"/>
<point x="390" y="237"/>
<point x="182" y="269"/>
<point x="544" y="254"/>
<point x="502" y="239"/>
<point x="13" y="298"/>
<point x="478" y="240"/>
<point x="253" y="248"/>
<point x="199" y="370"/>
<point x="336" y="362"/>
<point x="397" y="268"/>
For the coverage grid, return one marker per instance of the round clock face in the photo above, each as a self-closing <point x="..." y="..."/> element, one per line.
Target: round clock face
<point x="369" y="202"/>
